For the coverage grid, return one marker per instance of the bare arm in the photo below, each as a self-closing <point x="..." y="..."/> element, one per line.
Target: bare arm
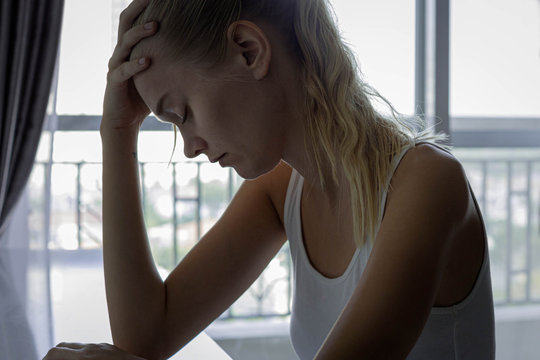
<point x="135" y="291"/>
<point x="153" y="319"/>
<point x="225" y="262"/>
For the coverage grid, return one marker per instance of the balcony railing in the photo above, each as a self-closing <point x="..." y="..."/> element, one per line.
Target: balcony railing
<point x="507" y="189"/>
<point x="194" y="206"/>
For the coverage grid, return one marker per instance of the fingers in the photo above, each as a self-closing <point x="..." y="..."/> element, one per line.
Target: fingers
<point x="121" y="70"/>
<point x="61" y="353"/>
<point x="129" y="14"/>
<point x="128" y="40"/>
<point x="73" y="351"/>
<point x="70" y="345"/>
<point x="127" y="70"/>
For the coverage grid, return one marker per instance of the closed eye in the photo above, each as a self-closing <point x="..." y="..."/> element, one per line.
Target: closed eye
<point x="180" y="117"/>
<point x="183" y="118"/>
<point x="173" y="117"/>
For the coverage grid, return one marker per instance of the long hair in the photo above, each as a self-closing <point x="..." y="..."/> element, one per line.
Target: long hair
<point x="342" y="126"/>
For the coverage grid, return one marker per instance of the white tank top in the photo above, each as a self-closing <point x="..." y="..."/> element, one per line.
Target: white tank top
<point x="464" y="331"/>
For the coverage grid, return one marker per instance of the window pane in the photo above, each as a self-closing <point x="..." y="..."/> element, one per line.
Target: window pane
<point x="88" y="38"/>
<point x="382" y="34"/>
<point x="495" y="58"/>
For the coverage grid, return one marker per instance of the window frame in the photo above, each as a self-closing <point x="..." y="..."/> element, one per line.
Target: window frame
<point x="432" y="84"/>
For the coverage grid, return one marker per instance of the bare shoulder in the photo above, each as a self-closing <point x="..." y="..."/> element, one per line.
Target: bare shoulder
<point x="426" y="161"/>
<point x="426" y="155"/>
<point x="427" y="171"/>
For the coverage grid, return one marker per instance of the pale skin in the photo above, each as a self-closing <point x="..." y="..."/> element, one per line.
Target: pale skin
<point x="427" y="252"/>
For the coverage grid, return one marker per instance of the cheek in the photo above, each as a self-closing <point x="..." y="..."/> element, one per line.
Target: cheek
<point x="235" y="113"/>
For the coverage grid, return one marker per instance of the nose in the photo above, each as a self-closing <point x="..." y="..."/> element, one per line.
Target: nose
<point x="194" y="147"/>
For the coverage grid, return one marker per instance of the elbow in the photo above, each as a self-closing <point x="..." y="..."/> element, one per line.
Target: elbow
<point x="147" y="341"/>
<point x="146" y="351"/>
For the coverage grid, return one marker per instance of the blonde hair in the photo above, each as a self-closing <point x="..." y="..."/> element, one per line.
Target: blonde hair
<point x="341" y="118"/>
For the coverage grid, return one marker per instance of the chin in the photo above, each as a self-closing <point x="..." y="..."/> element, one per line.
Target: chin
<point x="255" y="170"/>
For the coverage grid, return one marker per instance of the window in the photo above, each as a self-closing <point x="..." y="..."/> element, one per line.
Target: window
<point x="181" y="200"/>
<point x="382" y="35"/>
<point x="495" y="117"/>
<point x="495" y="58"/>
<point x="495" y="73"/>
<point x="494" y="120"/>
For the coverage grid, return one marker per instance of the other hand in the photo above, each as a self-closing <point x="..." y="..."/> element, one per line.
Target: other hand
<point x="122" y="106"/>
<point x="77" y="351"/>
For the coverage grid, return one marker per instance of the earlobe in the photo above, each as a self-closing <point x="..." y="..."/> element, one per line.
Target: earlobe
<point x="251" y="47"/>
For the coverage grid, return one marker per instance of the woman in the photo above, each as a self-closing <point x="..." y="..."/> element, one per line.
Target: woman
<point x="388" y="244"/>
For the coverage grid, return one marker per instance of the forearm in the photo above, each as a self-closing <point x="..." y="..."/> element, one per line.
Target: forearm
<point x="135" y="291"/>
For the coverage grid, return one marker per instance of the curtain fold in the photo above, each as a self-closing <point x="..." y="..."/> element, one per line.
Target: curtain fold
<point x="29" y="40"/>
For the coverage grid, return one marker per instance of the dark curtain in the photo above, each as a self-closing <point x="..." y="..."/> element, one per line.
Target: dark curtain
<point x="29" y="38"/>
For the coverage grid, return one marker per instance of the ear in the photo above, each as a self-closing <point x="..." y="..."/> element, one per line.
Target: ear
<point x="250" y="48"/>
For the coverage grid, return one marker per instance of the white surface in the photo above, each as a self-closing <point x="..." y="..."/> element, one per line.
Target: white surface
<point x="201" y="347"/>
<point x="249" y="329"/>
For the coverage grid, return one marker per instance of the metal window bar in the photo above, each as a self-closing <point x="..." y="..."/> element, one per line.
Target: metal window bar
<point x="509" y="273"/>
<point x="432" y="63"/>
<point x="484" y="189"/>
<point x="528" y="233"/>
<point x="81" y="208"/>
<point x="175" y="216"/>
<point x="142" y="169"/>
<point x="261" y="289"/>
<point x="79" y="205"/>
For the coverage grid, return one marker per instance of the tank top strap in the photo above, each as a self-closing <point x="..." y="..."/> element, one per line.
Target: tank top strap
<point x="395" y="163"/>
<point x="292" y="201"/>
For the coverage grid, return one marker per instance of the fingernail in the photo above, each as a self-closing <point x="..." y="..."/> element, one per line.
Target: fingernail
<point x="148" y="25"/>
<point x="142" y="61"/>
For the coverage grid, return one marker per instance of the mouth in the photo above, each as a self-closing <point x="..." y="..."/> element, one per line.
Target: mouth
<point x="217" y="159"/>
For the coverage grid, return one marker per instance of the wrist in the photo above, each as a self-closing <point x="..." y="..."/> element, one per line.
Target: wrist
<point x="125" y="133"/>
<point x="119" y="141"/>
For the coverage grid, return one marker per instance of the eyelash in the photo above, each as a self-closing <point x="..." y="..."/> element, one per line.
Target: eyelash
<point x="184" y="117"/>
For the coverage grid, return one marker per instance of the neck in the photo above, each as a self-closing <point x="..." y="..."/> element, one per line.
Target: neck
<point x="294" y="152"/>
<point x="297" y="156"/>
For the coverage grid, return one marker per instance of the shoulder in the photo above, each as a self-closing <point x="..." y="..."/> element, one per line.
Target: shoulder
<point x="410" y="253"/>
<point x="431" y="177"/>
<point x="426" y="162"/>
<point x="426" y="157"/>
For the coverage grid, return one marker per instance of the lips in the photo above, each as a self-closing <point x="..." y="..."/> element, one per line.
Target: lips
<point x="217" y="159"/>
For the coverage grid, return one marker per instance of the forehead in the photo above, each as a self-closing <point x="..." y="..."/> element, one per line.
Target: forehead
<point x="155" y="76"/>
<point x="152" y="83"/>
<point x="161" y="77"/>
